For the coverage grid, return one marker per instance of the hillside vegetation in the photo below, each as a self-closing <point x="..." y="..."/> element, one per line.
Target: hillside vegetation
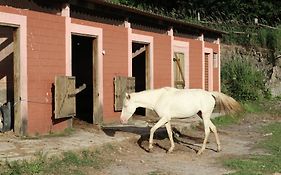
<point x="254" y="25"/>
<point x="248" y="23"/>
<point x="225" y="11"/>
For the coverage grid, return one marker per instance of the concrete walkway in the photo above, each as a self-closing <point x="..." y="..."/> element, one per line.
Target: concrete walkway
<point x="17" y="148"/>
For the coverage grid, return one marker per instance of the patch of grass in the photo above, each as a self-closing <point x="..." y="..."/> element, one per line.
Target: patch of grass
<point x="154" y="173"/>
<point x="68" y="163"/>
<point x="226" y="120"/>
<point x="250" y="107"/>
<point x="253" y="107"/>
<point x="24" y="167"/>
<point x="158" y="172"/>
<point x="273" y="143"/>
<point x="261" y="164"/>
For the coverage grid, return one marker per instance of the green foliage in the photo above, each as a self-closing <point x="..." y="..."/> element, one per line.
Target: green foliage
<point x="235" y="11"/>
<point x="261" y="164"/>
<point x="242" y="81"/>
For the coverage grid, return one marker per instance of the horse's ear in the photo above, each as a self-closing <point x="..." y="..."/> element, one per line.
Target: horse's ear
<point x="128" y="96"/>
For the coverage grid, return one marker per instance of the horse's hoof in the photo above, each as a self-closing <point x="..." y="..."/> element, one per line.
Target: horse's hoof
<point x="219" y="150"/>
<point x="200" y="152"/>
<point x="150" y="149"/>
<point x="169" y="151"/>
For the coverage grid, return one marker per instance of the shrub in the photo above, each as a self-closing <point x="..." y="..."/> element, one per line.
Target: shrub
<point x="242" y="80"/>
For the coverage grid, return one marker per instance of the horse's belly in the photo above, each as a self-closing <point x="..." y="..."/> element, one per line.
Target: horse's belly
<point x="182" y="104"/>
<point x="183" y="112"/>
<point x="178" y="110"/>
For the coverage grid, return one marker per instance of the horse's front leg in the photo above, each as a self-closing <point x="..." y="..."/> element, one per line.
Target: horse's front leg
<point x="170" y="134"/>
<point x="161" y="122"/>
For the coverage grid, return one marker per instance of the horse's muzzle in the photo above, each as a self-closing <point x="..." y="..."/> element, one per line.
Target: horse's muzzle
<point x="123" y="121"/>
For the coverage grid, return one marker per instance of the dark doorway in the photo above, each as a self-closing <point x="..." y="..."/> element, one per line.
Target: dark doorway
<point x="82" y="69"/>
<point x="139" y="63"/>
<point x="7" y="73"/>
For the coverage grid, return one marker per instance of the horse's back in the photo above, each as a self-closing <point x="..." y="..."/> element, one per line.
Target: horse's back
<point x="184" y="102"/>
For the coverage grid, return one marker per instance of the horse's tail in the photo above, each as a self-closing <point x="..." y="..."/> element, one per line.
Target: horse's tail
<point x="226" y="103"/>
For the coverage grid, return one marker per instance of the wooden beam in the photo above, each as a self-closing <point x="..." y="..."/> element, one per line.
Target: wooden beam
<point x="138" y="52"/>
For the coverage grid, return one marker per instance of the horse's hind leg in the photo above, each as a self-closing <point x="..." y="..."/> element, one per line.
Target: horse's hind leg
<point x="206" y="121"/>
<point x="170" y="134"/>
<point x="214" y="129"/>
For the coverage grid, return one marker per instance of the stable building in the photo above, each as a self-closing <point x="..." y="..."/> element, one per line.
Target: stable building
<point x="65" y="58"/>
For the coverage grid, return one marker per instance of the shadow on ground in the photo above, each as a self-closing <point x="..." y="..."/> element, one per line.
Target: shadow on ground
<point x="161" y="139"/>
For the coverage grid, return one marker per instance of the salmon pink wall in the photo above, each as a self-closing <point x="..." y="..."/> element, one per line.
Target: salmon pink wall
<point x="216" y="70"/>
<point x="162" y="61"/>
<point x="195" y="63"/>
<point x="162" y="57"/>
<point x="115" y="64"/>
<point x="46" y="59"/>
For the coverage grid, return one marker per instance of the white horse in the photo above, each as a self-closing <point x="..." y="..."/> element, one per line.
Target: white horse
<point x="171" y="103"/>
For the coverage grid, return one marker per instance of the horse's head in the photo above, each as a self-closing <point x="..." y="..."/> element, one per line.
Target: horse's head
<point x="128" y="109"/>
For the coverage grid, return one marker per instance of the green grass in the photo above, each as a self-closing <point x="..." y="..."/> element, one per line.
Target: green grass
<point x="256" y="107"/>
<point x="67" y="163"/>
<point x="226" y="120"/>
<point x="261" y="164"/>
<point x="253" y="107"/>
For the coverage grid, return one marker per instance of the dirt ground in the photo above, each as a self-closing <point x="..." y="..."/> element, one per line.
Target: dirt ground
<point x="130" y="155"/>
<point x="133" y="158"/>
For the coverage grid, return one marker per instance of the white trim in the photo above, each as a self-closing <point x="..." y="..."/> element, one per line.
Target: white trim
<point x="88" y="31"/>
<point x="183" y="47"/>
<point x="219" y="68"/>
<point x="145" y="40"/>
<point x="171" y="33"/>
<point x="20" y="21"/>
<point x="67" y="47"/>
<point x="65" y="10"/>
<point x="130" y="54"/>
<point x="203" y="64"/>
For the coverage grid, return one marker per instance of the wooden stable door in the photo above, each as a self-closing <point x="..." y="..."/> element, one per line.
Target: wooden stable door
<point x="179" y="78"/>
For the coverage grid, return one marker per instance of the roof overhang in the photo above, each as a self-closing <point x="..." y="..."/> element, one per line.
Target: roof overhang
<point x="137" y="16"/>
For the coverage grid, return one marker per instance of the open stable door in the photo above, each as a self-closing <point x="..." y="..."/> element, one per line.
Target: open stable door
<point x="122" y="85"/>
<point x="65" y="97"/>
